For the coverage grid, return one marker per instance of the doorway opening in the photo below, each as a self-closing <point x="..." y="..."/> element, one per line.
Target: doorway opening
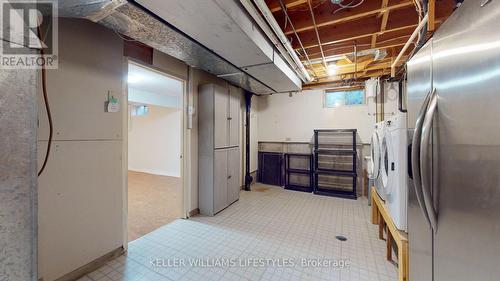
<point x="155" y="145"/>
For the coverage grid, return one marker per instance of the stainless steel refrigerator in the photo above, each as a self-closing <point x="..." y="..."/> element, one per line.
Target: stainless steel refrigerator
<point x="453" y="97"/>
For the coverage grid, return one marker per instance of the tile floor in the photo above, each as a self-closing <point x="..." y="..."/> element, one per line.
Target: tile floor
<point x="277" y="228"/>
<point x="153" y="201"/>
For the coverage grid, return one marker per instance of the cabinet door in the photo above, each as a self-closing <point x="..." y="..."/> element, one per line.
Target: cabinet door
<point x="233" y="182"/>
<point x="220" y="180"/>
<point x="221" y="118"/>
<point x="234" y="115"/>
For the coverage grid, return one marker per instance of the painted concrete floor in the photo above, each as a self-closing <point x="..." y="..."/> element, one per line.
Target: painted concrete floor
<point x="271" y="234"/>
<point x="153" y="201"/>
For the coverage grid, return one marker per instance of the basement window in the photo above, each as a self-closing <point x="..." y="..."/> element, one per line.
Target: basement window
<point x="333" y="98"/>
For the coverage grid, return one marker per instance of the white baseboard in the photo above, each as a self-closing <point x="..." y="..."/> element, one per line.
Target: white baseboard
<point x="156" y="172"/>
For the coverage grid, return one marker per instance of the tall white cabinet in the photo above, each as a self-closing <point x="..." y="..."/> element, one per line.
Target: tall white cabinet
<point x="219" y="155"/>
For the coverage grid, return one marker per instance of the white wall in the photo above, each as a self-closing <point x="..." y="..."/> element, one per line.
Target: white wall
<point x="82" y="188"/>
<point x="80" y="194"/>
<point x="154" y="141"/>
<point x="146" y="97"/>
<point x="284" y="118"/>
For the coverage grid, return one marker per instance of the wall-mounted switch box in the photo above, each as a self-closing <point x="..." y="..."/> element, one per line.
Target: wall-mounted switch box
<point x="111" y="104"/>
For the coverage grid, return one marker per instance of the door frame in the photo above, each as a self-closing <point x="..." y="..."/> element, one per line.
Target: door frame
<point x="184" y="168"/>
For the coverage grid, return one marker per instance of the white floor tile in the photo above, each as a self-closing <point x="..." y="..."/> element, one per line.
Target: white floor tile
<point x="271" y="235"/>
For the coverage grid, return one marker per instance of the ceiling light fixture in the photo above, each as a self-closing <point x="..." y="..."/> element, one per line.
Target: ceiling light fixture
<point x="332" y="69"/>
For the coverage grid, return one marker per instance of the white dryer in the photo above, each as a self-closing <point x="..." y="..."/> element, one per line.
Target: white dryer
<point x="376" y="158"/>
<point x="394" y="168"/>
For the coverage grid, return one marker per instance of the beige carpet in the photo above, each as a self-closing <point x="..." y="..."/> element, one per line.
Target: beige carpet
<point x="153" y="201"/>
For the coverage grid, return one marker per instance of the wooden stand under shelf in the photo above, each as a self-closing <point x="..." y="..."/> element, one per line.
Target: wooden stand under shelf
<point x="380" y="216"/>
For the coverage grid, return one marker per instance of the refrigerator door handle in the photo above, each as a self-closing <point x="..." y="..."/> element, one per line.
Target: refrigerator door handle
<point x="424" y="160"/>
<point x="415" y="157"/>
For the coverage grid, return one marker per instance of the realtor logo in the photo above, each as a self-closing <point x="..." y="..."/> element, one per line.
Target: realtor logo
<point x="28" y="34"/>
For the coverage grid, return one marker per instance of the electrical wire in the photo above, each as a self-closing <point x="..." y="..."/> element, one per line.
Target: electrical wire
<point x="284" y="9"/>
<point x="348" y="6"/>
<point x="419" y="12"/>
<point x="47" y="107"/>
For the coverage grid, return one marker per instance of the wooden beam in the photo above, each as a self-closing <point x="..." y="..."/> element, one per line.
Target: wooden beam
<point x="364" y="67"/>
<point x="347" y="50"/>
<point x="431" y="26"/>
<point x="353" y="38"/>
<point x="347" y="59"/>
<point x="288" y="5"/>
<point x="352" y="17"/>
<point x="369" y="34"/>
<point x="339" y="78"/>
<point x="383" y="24"/>
<point x="374" y="41"/>
<point x="338" y="85"/>
<point x="354" y="31"/>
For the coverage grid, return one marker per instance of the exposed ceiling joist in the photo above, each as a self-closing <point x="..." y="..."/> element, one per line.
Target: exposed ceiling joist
<point x="431" y="26"/>
<point x="352" y="17"/>
<point x="317" y="33"/>
<point x="338" y="78"/>
<point x="367" y="65"/>
<point x="321" y="31"/>
<point x="383" y="23"/>
<point x="288" y="5"/>
<point x="369" y="34"/>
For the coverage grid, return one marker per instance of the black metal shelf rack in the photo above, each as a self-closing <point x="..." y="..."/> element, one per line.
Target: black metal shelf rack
<point x="335" y="163"/>
<point x="271" y="168"/>
<point x="299" y="172"/>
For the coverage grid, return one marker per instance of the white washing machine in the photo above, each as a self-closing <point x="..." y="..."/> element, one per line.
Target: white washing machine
<point x="376" y="158"/>
<point x="394" y="168"/>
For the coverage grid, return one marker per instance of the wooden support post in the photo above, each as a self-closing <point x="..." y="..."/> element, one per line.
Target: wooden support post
<point x="374" y="41"/>
<point x="374" y="211"/>
<point x="431" y="26"/>
<point x="381" y="226"/>
<point x="380" y="216"/>
<point x="389" y="246"/>
<point x="404" y="259"/>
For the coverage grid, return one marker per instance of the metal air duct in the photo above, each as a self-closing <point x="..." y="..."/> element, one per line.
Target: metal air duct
<point x="134" y="21"/>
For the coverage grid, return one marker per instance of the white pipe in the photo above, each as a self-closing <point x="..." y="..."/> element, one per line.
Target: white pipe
<point x="268" y="16"/>
<point x="412" y="37"/>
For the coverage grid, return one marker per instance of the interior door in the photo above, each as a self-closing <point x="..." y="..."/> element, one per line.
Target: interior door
<point x="221" y="115"/>
<point x="220" y="179"/>
<point x="233" y="182"/>
<point x="234" y="116"/>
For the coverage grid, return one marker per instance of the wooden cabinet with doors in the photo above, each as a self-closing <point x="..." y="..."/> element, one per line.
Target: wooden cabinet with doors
<point x="219" y="154"/>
